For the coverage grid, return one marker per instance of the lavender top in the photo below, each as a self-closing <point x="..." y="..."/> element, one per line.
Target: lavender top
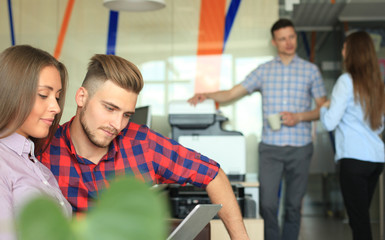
<point x="23" y="177"/>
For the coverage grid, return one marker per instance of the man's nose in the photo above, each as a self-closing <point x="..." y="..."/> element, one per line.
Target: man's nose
<point x="117" y="122"/>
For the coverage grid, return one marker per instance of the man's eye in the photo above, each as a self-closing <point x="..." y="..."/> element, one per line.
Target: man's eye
<point x="109" y="108"/>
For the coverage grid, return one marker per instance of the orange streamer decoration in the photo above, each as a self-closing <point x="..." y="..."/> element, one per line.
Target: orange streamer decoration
<point x="210" y="45"/>
<point x="63" y="30"/>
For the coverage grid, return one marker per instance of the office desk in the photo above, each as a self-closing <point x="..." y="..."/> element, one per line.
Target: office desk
<point x="254" y="227"/>
<point x="216" y="230"/>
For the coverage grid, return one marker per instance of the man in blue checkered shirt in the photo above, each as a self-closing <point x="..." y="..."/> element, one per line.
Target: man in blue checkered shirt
<point x="288" y="85"/>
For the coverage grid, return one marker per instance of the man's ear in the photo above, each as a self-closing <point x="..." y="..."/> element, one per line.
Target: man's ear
<point x="273" y="42"/>
<point x="81" y="96"/>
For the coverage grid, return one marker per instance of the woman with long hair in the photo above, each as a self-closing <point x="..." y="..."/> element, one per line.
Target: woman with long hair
<point x="356" y="113"/>
<point x="32" y="90"/>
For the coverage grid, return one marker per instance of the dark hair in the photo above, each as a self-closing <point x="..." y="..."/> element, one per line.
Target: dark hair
<point x="281" y="23"/>
<point x="362" y="64"/>
<point x="117" y="69"/>
<point x="20" y="68"/>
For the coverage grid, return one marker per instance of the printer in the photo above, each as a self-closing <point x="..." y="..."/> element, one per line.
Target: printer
<point x="200" y="128"/>
<point x="184" y="198"/>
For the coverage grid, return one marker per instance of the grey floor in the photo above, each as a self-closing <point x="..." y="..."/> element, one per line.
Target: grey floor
<point x="323" y="214"/>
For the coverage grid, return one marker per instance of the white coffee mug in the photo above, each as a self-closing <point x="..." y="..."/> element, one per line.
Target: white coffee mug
<point x="275" y="121"/>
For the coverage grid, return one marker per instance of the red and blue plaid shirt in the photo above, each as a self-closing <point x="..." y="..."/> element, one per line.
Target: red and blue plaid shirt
<point x="137" y="150"/>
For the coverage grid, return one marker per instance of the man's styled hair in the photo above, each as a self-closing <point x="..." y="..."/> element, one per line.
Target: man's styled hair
<point x="20" y="68"/>
<point x="281" y="23"/>
<point x="120" y="71"/>
<point x="362" y="64"/>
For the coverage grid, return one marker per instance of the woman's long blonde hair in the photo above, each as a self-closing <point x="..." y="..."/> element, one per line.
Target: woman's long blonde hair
<point x="20" y="67"/>
<point x="362" y="64"/>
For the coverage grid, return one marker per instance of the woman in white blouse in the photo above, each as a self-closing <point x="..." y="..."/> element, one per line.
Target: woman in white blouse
<point x="356" y="113"/>
<point x="32" y="90"/>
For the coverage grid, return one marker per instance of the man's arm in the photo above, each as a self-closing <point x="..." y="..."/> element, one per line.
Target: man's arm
<point x="291" y="119"/>
<point x="221" y="192"/>
<point x="220" y="96"/>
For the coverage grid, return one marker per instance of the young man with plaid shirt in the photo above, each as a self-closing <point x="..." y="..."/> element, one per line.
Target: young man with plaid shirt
<point x="99" y="143"/>
<point x="288" y="84"/>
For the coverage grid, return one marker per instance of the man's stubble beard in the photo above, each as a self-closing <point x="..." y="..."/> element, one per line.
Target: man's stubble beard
<point x="88" y="132"/>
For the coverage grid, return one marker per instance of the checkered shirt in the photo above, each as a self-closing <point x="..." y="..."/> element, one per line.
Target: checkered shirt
<point x="136" y="150"/>
<point x="286" y="88"/>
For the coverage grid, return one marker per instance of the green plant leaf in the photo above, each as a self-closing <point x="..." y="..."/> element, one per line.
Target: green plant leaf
<point x="127" y="210"/>
<point x="43" y="219"/>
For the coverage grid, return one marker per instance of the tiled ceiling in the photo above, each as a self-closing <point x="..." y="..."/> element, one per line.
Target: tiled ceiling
<point x="363" y="11"/>
<point x="316" y="16"/>
<point x="325" y="16"/>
